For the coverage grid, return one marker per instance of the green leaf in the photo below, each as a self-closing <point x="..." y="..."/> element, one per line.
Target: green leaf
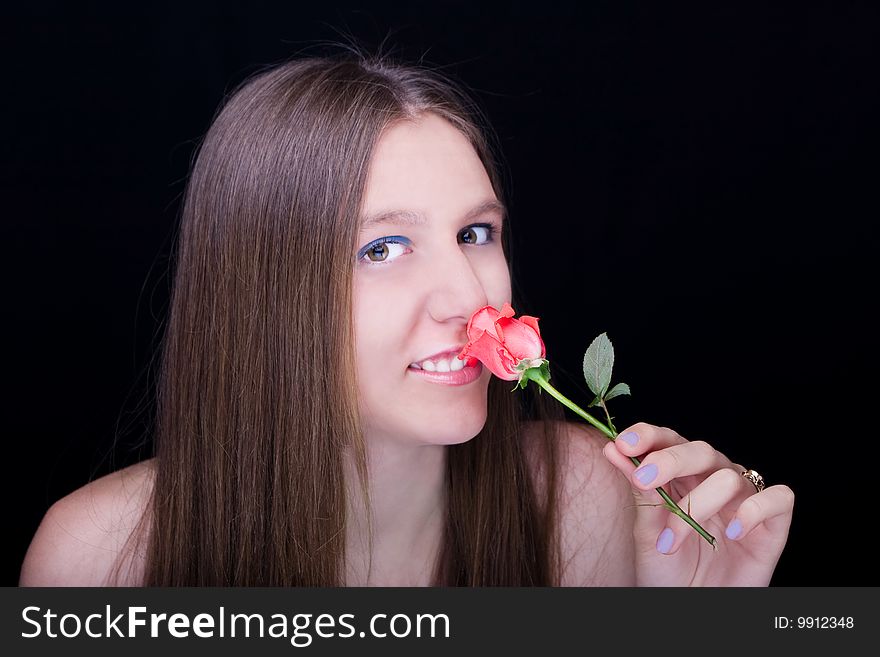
<point x="617" y="390"/>
<point x="545" y="370"/>
<point x="598" y="362"/>
<point x="595" y="402"/>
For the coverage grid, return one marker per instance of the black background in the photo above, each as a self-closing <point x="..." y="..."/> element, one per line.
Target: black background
<point x="699" y="183"/>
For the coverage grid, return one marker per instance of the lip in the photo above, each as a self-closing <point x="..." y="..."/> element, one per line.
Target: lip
<point x="450" y="352"/>
<point x="467" y="374"/>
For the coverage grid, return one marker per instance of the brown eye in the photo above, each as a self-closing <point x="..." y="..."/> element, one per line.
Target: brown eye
<point x="378" y="250"/>
<point x="383" y="251"/>
<point x="471" y="233"/>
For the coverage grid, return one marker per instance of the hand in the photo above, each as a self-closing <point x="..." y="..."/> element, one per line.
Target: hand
<point x="696" y="475"/>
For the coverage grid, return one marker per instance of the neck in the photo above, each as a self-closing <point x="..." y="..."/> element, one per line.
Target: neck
<point x="407" y="485"/>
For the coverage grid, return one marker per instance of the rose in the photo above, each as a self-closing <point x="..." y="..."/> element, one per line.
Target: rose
<point x="513" y="349"/>
<point x="505" y="345"/>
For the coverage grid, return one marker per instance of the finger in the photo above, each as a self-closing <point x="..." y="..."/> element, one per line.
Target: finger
<point x="627" y="467"/>
<point x="687" y="458"/>
<point x="637" y="440"/>
<point x="650" y="507"/>
<point x="773" y="506"/>
<point x="642" y="438"/>
<point x="714" y="493"/>
<point x="681" y="459"/>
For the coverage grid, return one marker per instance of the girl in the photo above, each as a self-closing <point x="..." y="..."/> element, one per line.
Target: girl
<point x="344" y="218"/>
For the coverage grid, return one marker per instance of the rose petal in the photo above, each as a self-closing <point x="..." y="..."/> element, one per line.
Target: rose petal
<point x="499" y="332"/>
<point x="528" y="320"/>
<point x="506" y="310"/>
<point x="521" y="340"/>
<point x="482" y="320"/>
<point x="486" y="349"/>
<point x="509" y="364"/>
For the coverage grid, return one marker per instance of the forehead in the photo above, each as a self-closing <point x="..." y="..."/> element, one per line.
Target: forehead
<point x="424" y="168"/>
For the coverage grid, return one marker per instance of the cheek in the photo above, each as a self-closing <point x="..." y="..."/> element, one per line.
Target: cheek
<point x="379" y="322"/>
<point x="496" y="283"/>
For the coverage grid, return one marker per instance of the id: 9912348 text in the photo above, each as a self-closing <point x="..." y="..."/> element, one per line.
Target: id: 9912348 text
<point x="813" y="622"/>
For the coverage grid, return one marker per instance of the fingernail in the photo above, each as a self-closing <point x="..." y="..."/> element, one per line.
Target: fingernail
<point x="646" y="474"/>
<point x="665" y="541"/>
<point x="734" y="529"/>
<point x="630" y="438"/>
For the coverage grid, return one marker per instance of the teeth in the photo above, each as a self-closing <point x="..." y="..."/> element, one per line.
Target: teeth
<point x="452" y="364"/>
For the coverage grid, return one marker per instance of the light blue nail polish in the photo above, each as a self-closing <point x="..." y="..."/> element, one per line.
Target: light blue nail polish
<point x="647" y="473"/>
<point x="665" y="541"/>
<point x="629" y="438"/>
<point x="734" y="529"/>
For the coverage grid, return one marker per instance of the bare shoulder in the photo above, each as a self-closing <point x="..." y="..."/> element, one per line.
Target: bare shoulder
<point x="83" y="534"/>
<point x="596" y="512"/>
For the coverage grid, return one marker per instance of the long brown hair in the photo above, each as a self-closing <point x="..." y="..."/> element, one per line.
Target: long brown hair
<point x="256" y="390"/>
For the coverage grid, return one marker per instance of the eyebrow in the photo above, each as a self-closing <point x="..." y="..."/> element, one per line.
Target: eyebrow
<point x="412" y="218"/>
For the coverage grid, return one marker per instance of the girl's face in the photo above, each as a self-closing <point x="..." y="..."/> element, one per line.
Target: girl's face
<point x="418" y="278"/>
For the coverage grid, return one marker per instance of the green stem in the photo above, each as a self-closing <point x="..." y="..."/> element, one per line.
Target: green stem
<point x="608" y="416"/>
<point x="535" y="375"/>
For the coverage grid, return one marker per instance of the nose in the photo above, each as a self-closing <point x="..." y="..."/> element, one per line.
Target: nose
<point x="458" y="290"/>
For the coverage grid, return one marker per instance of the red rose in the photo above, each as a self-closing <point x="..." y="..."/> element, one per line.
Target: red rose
<point x="501" y="342"/>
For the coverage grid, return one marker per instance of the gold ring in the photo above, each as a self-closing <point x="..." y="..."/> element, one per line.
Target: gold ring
<point x="755" y="478"/>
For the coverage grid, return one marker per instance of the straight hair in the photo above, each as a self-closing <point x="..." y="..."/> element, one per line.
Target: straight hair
<point x="256" y="394"/>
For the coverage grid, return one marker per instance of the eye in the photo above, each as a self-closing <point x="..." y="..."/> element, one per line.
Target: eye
<point x="489" y="230"/>
<point x="378" y="251"/>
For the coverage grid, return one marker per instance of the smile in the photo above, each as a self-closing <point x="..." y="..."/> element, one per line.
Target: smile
<point x="462" y="376"/>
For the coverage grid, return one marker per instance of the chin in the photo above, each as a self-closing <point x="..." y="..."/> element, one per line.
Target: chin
<point x="455" y="432"/>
